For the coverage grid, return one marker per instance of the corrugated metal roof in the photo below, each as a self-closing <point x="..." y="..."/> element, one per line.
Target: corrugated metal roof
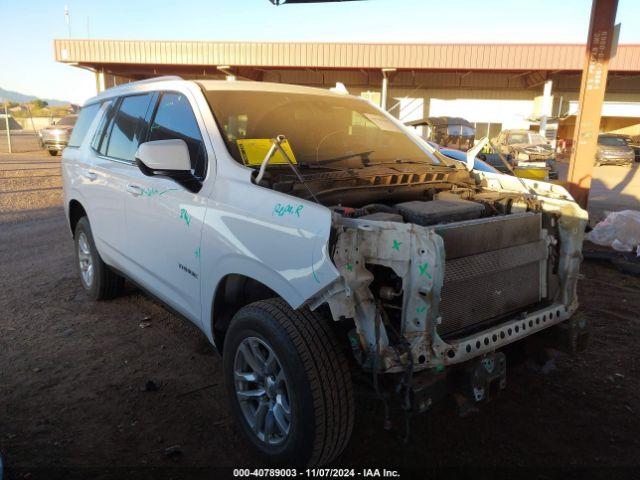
<point x="339" y="55"/>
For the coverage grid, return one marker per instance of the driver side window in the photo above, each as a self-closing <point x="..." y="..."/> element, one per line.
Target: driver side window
<point x="174" y="119"/>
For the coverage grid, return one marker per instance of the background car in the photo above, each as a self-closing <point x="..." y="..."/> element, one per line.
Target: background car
<point x="56" y="137"/>
<point x="526" y="149"/>
<point x="633" y="142"/>
<point x="450" y="132"/>
<point x="613" y="150"/>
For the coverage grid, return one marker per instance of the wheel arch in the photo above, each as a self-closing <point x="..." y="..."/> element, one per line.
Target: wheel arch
<point x="76" y="212"/>
<point x="234" y="291"/>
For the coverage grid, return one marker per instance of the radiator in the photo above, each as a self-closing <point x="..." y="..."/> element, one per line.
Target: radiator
<point x="494" y="266"/>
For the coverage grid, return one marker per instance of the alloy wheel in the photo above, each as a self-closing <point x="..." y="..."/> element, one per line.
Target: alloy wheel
<point x="85" y="260"/>
<point x="262" y="389"/>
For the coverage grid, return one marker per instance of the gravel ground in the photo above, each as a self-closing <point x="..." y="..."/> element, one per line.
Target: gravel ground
<point x="76" y="402"/>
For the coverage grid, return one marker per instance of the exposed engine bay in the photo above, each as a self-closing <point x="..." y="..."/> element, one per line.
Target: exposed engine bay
<point x="449" y="271"/>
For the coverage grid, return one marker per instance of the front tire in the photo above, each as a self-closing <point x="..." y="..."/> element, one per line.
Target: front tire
<point x="98" y="280"/>
<point x="288" y="383"/>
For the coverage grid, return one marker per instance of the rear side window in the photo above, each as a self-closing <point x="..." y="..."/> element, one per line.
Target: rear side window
<point x="87" y="114"/>
<point x="174" y="119"/>
<point x="127" y="128"/>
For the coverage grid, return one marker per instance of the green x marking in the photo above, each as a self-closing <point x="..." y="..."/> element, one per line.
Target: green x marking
<point x="349" y="267"/>
<point x="396" y="245"/>
<point x="423" y="270"/>
<point x="421" y="309"/>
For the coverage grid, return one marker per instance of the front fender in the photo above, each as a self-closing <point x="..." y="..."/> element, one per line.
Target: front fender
<point x="278" y="240"/>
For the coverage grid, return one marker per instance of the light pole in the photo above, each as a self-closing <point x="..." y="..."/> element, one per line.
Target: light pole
<point x="6" y="123"/>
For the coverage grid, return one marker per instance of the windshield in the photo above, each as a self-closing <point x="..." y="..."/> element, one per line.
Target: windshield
<point x="70" y="121"/>
<point x="529" y="138"/>
<point x="612" y="141"/>
<point x="322" y="130"/>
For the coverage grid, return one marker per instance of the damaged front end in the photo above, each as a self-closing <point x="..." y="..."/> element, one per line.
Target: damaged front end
<point x="430" y="296"/>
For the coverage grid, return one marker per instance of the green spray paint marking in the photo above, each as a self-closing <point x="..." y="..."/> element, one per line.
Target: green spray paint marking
<point x="149" y="192"/>
<point x="349" y="267"/>
<point x="197" y="253"/>
<point x="396" y="245"/>
<point x="281" y="210"/>
<point x="440" y="368"/>
<point x="423" y="270"/>
<point x="421" y="309"/>
<point x="169" y="190"/>
<point x="313" y="269"/>
<point x="184" y="215"/>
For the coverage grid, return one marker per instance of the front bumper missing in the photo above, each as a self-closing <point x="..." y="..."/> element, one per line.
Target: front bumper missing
<point x="466" y="348"/>
<point x="416" y="254"/>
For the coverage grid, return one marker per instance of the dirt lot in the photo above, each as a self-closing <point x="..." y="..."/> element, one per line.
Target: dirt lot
<point x="74" y="373"/>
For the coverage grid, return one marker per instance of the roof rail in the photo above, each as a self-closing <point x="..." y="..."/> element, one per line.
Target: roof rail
<point x="111" y="90"/>
<point x="164" y="78"/>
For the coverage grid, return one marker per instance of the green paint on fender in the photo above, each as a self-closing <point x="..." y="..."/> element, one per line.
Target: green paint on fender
<point x="287" y="209"/>
<point x="423" y="270"/>
<point x="197" y="253"/>
<point x="396" y="245"/>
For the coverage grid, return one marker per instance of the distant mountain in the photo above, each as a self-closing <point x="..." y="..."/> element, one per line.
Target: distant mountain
<point x="22" y="98"/>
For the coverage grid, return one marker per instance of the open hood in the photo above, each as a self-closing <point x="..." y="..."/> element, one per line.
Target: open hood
<point x="473" y="153"/>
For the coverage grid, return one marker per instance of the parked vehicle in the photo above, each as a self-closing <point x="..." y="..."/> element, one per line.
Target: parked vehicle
<point x="634" y="144"/>
<point x="448" y="132"/>
<point x="306" y="234"/>
<point x="55" y="137"/>
<point x="613" y="150"/>
<point x="527" y="150"/>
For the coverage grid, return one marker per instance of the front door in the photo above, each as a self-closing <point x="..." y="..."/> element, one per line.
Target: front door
<point x="164" y="219"/>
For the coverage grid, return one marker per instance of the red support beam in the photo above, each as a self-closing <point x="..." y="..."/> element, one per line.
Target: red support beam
<point x="592" y="89"/>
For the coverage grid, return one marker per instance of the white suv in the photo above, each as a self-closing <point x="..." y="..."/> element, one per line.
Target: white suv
<point x="310" y="235"/>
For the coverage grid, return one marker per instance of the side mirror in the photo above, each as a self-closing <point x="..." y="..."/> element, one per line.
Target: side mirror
<point x="168" y="159"/>
<point x="165" y="155"/>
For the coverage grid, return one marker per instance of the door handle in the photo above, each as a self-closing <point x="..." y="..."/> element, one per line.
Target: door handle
<point x="134" y="190"/>
<point x="90" y="175"/>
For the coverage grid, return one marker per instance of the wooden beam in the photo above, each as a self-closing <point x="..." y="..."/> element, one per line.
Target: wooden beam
<point x="592" y="89"/>
<point x="535" y="78"/>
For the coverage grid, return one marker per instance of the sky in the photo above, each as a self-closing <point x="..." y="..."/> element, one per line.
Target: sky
<point x="29" y="27"/>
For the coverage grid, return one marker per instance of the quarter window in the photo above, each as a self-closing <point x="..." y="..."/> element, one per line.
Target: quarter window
<point x="174" y="119"/>
<point x="87" y="114"/>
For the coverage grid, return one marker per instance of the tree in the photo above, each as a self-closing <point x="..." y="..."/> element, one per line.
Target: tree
<point x="39" y="104"/>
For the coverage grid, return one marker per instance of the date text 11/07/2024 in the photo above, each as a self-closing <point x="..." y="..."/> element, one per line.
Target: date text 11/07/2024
<point x="316" y="473"/>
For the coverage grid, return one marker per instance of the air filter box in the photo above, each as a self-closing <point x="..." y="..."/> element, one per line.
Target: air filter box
<point x="439" y="211"/>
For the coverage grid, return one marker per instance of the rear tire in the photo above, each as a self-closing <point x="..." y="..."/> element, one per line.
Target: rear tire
<point x="314" y="377"/>
<point x="98" y="280"/>
<point x="53" y="153"/>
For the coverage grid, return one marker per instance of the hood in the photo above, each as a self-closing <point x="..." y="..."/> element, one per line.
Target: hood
<point x="615" y="148"/>
<point x="529" y="148"/>
<point x="66" y="128"/>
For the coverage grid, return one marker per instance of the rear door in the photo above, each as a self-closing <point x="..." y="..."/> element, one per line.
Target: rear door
<point x="112" y="165"/>
<point x="164" y="219"/>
